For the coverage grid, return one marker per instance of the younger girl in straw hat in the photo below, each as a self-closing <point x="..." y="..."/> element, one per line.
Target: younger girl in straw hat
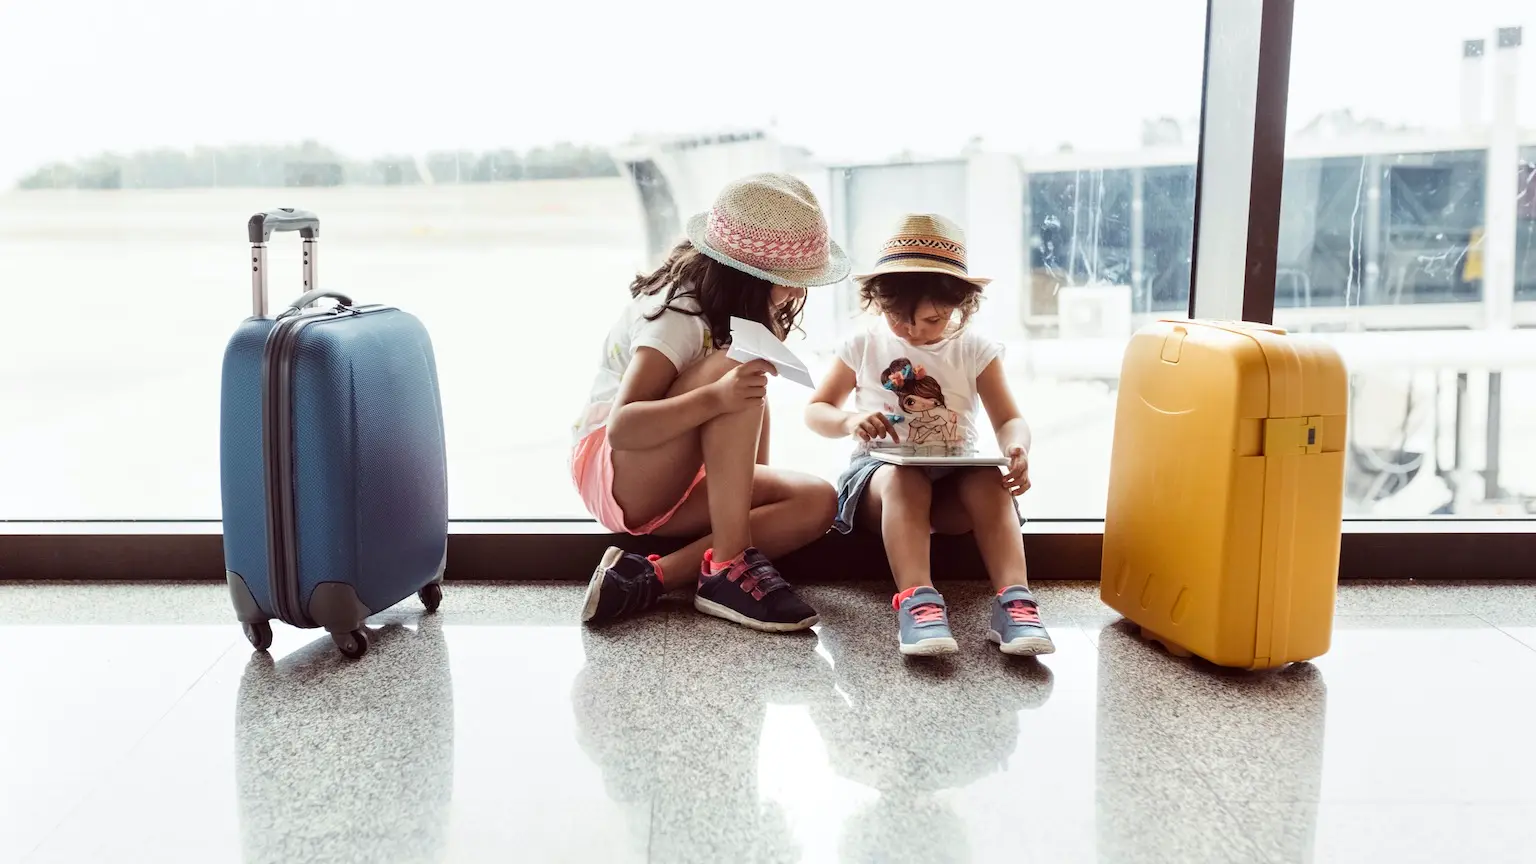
<point x="917" y="377"/>
<point x="674" y="439"/>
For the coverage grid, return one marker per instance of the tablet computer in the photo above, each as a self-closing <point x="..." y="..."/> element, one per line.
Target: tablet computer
<point x="918" y="458"/>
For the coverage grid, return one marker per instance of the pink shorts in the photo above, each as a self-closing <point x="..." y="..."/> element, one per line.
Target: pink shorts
<point x="592" y="472"/>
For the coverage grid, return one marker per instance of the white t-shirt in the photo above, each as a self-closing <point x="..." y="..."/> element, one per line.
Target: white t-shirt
<point x="682" y="338"/>
<point x="929" y="391"/>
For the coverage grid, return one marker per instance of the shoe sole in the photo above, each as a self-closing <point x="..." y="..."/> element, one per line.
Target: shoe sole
<point x="1024" y="646"/>
<point x="710" y="607"/>
<point x="595" y="587"/>
<point x="929" y="647"/>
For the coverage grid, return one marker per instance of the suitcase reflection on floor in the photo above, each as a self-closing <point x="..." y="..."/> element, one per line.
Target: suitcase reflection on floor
<point x="342" y="761"/>
<point x="1190" y="753"/>
<point x="682" y="732"/>
<point x="913" y="731"/>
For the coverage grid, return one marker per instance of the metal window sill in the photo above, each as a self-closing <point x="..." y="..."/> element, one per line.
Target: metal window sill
<point x="565" y="550"/>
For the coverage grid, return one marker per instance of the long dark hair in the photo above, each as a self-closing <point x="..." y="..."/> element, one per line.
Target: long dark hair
<point x="721" y="292"/>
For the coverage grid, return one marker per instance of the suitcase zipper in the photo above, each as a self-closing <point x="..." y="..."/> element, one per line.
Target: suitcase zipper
<point x="277" y="455"/>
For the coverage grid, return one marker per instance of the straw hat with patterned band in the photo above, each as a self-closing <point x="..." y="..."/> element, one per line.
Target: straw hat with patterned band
<point x="771" y="226"/>
<point x="924" y="243"/>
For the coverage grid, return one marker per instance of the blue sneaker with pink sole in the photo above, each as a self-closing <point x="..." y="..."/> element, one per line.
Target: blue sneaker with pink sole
<point x="1016" y="626"/>
<point x="922" y="623"/>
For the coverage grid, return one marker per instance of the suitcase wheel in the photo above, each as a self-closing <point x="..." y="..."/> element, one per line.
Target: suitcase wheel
<point x="352" y="645"/>
<point x="431" y="596"/>
<point x="259" y="634"/>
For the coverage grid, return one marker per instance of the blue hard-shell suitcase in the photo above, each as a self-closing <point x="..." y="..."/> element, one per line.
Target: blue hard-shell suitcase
<point x="332" y="461"/>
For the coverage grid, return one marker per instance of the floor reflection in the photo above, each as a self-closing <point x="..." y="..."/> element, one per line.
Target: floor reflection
<point x="1183" y="746"/>
<point x="899" y="729"/>
<point x="679" y="738"/>
<point x="817" y="747"/>
<point x="339" y="760"/>
<point x="691" y="747"/>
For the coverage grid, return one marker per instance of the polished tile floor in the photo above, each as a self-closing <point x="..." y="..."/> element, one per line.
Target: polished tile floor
<point x="136" y="724"/>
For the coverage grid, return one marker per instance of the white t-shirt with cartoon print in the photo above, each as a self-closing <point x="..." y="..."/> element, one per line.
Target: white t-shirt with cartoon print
<point x="682" y="338"/>
<point x="928" y="391"/>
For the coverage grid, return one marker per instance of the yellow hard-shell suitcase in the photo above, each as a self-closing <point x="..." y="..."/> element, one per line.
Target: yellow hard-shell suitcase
<point x="1226" y="488"/>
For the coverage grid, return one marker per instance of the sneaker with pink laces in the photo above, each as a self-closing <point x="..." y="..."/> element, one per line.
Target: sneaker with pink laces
<point x="1016" y="626"/>
<point x="922" y="622"/>
<point x="750" y="591"/>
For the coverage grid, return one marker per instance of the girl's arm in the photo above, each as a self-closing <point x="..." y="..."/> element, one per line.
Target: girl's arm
<point x="823" y="414"/>
<point x="1013" y="435"/>
<point x="644" y="416"/>
<point x="1012" y="431"/>
<point x="825" y="418"/>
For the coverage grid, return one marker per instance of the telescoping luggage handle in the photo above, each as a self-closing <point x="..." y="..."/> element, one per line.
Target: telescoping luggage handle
<point x="260" y="230"/>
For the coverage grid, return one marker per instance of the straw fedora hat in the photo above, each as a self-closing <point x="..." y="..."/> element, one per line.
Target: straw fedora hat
<point x="771" y="226"/>
<point x="924" y="243"/>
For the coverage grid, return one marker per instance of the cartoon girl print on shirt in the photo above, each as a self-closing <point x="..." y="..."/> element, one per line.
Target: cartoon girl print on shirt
<point x="922" y="400"/>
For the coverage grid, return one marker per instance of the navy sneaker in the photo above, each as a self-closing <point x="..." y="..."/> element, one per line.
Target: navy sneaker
<point x="624" y="585"/>
<point x="751" y="593"/>
<point x="1016" y="626"/>
<point x="922" y="623"/>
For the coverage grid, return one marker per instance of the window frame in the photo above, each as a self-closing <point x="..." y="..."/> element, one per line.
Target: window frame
<point x="1241" y="158"/>
<point x="559" y="550"/>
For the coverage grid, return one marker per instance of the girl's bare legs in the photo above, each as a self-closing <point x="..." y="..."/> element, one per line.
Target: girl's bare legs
<point x="647" y="483"/>
<point x="789" y="511"/>
<point x="975" y="500"/>
<point x="897" y="503"/>
<point x="730" y="457"/>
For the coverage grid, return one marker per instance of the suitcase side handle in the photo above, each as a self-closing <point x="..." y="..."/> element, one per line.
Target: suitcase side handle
<point x="259" y="230"/>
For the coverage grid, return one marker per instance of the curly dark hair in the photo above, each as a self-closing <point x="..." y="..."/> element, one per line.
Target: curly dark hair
<point x="721" y="292"/>
<point x="902" y="293"/>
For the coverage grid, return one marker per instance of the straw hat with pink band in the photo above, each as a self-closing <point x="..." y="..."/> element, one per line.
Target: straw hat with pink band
<point x="924" y="243"/>
<point x="772" y="227"/>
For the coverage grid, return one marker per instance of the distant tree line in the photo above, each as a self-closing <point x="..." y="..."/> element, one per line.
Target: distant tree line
<point x="312" y="164"/>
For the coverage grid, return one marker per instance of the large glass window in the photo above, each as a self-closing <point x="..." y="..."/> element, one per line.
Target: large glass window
<point x="1525" y="227"/>
<point x="1406" y="238"/>
<point x="1130" y="227"/>
<point x="503" y="172"/>
<point x="1381" y="230"/>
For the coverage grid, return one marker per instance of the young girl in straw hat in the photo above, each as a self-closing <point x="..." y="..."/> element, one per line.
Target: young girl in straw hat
<point x="917" y="377"/>
<point x="674" y="439"/>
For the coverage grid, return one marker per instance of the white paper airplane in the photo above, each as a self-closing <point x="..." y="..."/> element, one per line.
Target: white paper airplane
<point x="752" y="341"/>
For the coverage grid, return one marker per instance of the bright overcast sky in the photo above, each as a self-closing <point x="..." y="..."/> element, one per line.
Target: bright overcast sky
<point x="81" y="76"/>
